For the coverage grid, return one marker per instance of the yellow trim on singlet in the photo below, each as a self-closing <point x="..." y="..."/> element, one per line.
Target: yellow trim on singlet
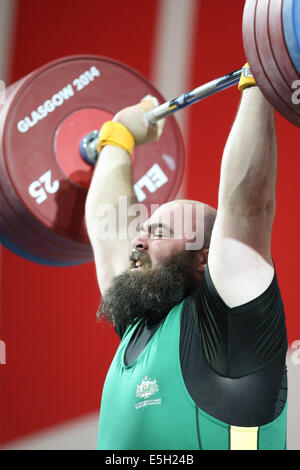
<point x="242" y="438"/>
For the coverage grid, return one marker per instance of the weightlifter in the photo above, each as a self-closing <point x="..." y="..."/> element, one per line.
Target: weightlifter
<point x="201" y="362"/>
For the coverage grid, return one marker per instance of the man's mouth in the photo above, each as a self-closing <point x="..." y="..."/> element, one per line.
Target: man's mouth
<point x="136" y="265"/>
<point x="138" y="261"/>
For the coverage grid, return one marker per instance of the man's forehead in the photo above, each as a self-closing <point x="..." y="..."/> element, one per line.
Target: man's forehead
<point x="167" y="213"/>
<point x="164" y="213"/>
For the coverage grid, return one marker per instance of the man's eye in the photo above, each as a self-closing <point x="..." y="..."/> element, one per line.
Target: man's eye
<point x="158" y="234"/>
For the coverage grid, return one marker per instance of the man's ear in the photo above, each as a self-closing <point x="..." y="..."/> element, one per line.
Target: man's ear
<point x="201" y="260"/>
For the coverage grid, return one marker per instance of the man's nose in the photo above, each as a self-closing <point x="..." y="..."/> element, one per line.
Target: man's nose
<point x="140" y="242"/>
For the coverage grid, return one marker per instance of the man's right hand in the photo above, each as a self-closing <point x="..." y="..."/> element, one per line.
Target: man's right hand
<point x="134" y="119"/>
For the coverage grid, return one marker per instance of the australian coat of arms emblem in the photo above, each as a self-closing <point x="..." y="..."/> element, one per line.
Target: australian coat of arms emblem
<point x="146" y="388"/>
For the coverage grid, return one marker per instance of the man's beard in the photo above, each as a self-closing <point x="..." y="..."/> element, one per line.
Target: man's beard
<point x="150" y="292"/>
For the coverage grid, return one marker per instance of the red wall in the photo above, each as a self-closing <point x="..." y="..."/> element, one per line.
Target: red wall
<point x="57" y="355"/>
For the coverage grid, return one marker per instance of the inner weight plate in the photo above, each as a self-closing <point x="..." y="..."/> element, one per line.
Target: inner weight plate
<point x="40" y="108"/>
<point x="269" y="12"/>
<point x="281" y="52"/>
<point x="291" y="27"/>
<point x="253" y="52"/>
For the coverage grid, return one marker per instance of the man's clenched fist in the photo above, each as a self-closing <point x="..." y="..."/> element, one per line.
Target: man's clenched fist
<point x="134" y="119"/>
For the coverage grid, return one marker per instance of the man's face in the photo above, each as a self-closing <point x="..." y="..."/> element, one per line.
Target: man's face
<point x="161" y="273"/>
<point x="163" y="235"/>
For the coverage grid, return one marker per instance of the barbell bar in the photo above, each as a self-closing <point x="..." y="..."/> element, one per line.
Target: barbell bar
<point x="88" y="145"/>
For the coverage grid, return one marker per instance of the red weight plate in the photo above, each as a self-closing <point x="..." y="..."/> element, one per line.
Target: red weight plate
<point x="30" y="245"/>
<point x="253" y="48"/>
<point x="41" y="190"/>
<point x="23" y="238"/>
<point x="282" y="90"/>
<point x="280" y="48"/>
<point x="18" y="227"/>
<point x="48" y="245"/>
<point x="13" y="229"/>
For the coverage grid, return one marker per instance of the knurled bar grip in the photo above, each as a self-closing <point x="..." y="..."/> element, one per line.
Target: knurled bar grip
<point x="193" y="96"/>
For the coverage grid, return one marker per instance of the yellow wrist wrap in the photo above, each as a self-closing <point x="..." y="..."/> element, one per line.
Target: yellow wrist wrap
<point x="114" y="133"/>
<point x="246" y="79"/>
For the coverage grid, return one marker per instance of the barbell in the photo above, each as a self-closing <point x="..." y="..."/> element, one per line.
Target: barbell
<point x="49" y="125"/>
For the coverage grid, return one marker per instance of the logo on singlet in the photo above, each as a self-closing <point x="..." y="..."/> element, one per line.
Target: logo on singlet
<point x="146" y="389"/>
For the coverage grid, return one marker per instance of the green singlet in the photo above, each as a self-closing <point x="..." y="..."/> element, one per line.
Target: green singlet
<point x="146" y="405"/>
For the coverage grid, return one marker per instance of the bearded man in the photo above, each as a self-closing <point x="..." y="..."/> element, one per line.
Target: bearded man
<point x="201" y="362"/>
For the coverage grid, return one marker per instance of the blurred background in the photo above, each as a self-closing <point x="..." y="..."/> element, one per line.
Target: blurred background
<point x="56" y="354"/>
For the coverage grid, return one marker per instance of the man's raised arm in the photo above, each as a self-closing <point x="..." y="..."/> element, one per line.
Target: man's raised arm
<point x="240" y="260"/>
<point x="112" y="178"/>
